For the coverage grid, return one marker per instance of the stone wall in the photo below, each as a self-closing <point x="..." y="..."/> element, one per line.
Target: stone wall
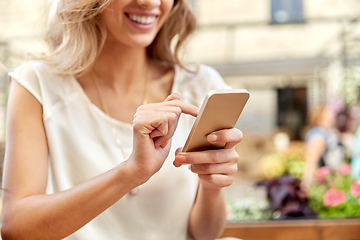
<point x="239" y="30"/>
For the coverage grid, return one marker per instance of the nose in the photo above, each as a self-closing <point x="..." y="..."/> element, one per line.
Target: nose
<point x="149" y="3"/>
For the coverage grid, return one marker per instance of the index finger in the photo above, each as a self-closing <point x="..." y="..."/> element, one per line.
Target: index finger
<point x="185" y="107"/>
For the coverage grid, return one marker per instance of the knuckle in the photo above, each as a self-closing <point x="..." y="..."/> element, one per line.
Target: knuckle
<point x="211" y="179"/>
<point x="140" y="108"/>
<point x="228" y="182"/>
<point x="174" y="116"/>
<point x="234" y="156"/>
<point x="214" y="156"/>
<point x="165" y="132"/>
<point x="202" y="177"/>
<point x="178" y="111"/>
<point x="137" y="126"/>
<point x="233" y="169"/>
<point x="194" y="168"/>
<point x="164" y="118"/>
<point x="239" y="134"/>
<point x="136" y="122"/>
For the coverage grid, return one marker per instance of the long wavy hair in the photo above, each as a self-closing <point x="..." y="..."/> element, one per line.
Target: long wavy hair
<point x="76" y="35"/>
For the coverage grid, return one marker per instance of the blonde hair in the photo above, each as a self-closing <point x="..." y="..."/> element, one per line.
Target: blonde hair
<point x="76" y="35"/>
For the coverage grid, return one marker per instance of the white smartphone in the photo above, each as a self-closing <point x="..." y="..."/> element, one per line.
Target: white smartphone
<point x="221" y="109"/>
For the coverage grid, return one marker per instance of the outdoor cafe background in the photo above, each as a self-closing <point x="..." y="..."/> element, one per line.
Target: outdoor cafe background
<point x="291" y="55"/>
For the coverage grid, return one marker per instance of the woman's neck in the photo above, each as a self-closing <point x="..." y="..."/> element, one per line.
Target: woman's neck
<point x="118" y="64"/>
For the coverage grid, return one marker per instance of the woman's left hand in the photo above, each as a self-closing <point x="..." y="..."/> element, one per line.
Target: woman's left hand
<point x="215" y="168"/>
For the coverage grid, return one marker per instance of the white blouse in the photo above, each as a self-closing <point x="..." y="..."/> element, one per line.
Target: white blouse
<point x="82" y="146"/>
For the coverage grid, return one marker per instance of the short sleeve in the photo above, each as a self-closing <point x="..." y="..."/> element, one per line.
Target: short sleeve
<point x="193" y="85"/>
<point x="213" y="78"/>
<point x="316" y="132"/>
<point x="27" y="76"/>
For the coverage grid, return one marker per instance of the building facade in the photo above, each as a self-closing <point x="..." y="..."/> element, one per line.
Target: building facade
<point x="282" y="51"/>
<point x="285" y="52"/>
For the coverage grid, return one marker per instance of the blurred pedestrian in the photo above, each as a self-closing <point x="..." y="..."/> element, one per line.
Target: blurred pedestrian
<point x="322" y="143"/>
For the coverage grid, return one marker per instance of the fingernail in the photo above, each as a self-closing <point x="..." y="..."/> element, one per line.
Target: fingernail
<point x="180" y="158"/>
<point x="211" y="138"/>
<point x="157" y="145"/>
<point x="165" y="144"/>
<point x="176" y="164"/>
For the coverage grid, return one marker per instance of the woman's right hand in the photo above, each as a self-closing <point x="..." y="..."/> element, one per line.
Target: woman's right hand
<point x="153" y="126"/>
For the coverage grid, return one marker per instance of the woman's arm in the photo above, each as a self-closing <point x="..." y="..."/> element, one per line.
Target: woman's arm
<point x="28" y="213"/>
<point x="208" y="216"/>
<point x="216" y="170"/>
<point x="315" y="148"/>
<point x="26" y="207"/>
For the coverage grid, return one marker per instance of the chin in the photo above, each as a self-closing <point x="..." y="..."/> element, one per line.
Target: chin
<point x="143" y="42"/>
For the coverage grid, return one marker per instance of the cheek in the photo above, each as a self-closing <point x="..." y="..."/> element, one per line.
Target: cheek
<point x="167" y="6"/>
<point x="113" y="12"/>
<point x="108" y="16"/>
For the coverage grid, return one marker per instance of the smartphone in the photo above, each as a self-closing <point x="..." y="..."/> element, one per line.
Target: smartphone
<point x="221" y="109"/>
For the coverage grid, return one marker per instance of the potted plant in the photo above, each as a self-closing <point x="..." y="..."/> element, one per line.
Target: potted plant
<point x="335" y="194"/>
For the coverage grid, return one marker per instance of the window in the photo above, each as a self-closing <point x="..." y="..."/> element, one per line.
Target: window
<point x="292" y="111"/>
<point x="287" y="11"/>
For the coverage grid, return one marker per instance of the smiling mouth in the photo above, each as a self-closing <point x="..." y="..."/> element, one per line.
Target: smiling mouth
<point x="144" y="20"/>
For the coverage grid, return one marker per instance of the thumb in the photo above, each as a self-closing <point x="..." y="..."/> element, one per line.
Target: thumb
<point x="177" y="164"/>
<point x="173" y="96"/>
<point x="179" y="150"/>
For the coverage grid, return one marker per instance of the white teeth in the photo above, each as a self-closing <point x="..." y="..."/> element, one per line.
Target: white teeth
<point x="150" y="19"/>
<point x="142" y="19"/>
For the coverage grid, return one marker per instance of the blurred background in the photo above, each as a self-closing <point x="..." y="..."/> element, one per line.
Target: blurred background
<point x="291" y="55"/>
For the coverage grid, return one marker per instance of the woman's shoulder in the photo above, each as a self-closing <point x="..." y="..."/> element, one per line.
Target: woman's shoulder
<point x="194" y="82"/>
<point x="41" y="82"/>
<point x="32" y="70"/>
<point x="28" y="75"/>
<point x="199" y="72"/>
<point x="25" y="69"/>
<point x="200" y="76"/>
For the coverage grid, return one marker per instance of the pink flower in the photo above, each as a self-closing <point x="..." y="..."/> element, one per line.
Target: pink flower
<point x="322" y="172"/>
<point x="345" y="169"/>
<point x="355" y="188"/>
<point x="334" y="197"/>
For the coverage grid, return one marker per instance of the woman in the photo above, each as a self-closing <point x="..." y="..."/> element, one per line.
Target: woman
<point x="94" y="130"/>
<point x="322" y="144"/>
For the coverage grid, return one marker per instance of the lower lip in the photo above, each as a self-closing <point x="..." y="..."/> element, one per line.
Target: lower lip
<point x="142" y="26"/>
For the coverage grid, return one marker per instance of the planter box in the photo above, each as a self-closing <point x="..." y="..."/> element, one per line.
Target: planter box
<point x="342" y="229"/>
